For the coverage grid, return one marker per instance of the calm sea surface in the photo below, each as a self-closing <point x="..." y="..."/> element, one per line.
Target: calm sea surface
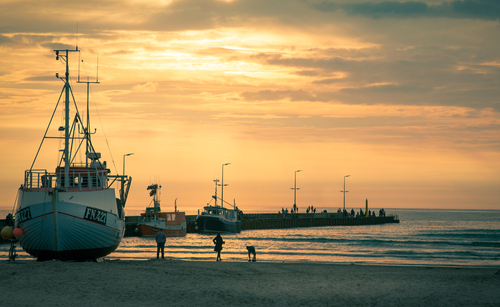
<point x="423" y="237"/>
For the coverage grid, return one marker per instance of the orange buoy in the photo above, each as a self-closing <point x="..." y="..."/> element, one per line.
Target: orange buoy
<point x="18" y="232"/>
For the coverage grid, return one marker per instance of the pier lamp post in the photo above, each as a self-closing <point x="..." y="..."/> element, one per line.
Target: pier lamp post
<point x="344" y="189"/>
<point x="222" y="184"/>
<point x="129" y="154"/>
<point x="295" y="189"/>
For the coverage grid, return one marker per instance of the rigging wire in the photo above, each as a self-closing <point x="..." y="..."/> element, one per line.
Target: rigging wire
<point x="103" y="131"/>
<point x="99" y="116"/>
<point x="15" y="202"/>
<point x="45" y="134"/>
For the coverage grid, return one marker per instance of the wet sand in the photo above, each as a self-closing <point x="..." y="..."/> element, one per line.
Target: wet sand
<point x="190" y="283"/>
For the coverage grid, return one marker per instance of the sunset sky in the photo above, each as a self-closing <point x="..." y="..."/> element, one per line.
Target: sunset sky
<point x="403" y="96"/>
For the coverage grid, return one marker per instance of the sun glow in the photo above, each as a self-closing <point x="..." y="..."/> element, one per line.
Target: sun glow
<point x="188" y="84"/>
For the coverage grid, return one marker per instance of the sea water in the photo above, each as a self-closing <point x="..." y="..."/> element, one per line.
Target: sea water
<point x="423" y="237"/>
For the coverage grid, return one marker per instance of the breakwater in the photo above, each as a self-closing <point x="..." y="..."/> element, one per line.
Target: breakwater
<point x="279" y="221"/>
<point x="275" y="221"/>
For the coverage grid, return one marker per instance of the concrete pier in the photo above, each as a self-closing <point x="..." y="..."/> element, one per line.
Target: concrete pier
<point x="276" y="221"/>
<point x="280" y="221"/>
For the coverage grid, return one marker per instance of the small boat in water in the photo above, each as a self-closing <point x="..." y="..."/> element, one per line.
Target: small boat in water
<point x="215" y="218"/>
<point x="71" y="213"/>
<point x="171" y="223"/>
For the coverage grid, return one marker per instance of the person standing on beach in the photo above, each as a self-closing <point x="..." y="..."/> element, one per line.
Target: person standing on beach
<point x="160" y="238"/>
<point x="218" y="245"/>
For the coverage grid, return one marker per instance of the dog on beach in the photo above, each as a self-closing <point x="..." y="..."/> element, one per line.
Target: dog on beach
<point x="251" y="250"/>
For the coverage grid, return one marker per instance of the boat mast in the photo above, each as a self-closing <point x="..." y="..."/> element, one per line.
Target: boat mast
<point x="215" y="196"/>
<point x="66" y="113"/>
<point x="87" y="129"/>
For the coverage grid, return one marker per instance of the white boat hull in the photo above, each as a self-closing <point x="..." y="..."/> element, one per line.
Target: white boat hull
<point x="72" y="225"/>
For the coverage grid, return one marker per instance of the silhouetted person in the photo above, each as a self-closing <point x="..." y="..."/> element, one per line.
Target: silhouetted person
<point x="251" y="250"/>
<point x="218" y="245"/>
<point x="160" y="238"/>
<point x="9" y="221"/>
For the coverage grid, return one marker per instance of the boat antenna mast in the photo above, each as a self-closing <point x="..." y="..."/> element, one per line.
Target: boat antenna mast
<point x="64" y="55"/>
<point x="215" y="196"/>
<point x="156" y="198"/>
<point x="87" y="133"/>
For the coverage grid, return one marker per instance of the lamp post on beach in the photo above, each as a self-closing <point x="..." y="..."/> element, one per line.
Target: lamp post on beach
<point x="295" y="189"/>
<point x="124" y="161"/>
<point x="222" y="185"/>
<point x="344" y="189"/>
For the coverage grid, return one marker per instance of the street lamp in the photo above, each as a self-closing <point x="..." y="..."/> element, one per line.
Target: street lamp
<point x="344" y="189"/>
<point x="129" y="154"/>
<point x="295" y="189"/>
<point x="222" y="185"/>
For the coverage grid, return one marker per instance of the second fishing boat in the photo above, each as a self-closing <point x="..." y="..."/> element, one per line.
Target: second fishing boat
<point x="171" y="223"/>
<point x="215" y="218"/>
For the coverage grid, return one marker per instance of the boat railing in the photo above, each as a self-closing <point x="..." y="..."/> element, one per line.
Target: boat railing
<point x="39" y="178"/>
<point x="78" y="178"/>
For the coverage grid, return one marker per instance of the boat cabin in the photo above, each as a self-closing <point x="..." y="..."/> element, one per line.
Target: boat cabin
<point x="170" y="218"/>
<point x="220" y="211"/>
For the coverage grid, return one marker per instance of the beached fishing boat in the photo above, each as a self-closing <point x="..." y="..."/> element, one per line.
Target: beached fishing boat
<point x="173" y="224"/>
<point x="71" y="213"/>
<point x="215" y="218"/>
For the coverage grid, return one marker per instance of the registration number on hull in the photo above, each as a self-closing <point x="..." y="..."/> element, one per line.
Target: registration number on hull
<point x="23" y="215"/>
<point x="96" y="215"/>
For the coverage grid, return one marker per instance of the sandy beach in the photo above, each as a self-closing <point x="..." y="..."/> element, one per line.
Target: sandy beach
<point x="189" y="283"/>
